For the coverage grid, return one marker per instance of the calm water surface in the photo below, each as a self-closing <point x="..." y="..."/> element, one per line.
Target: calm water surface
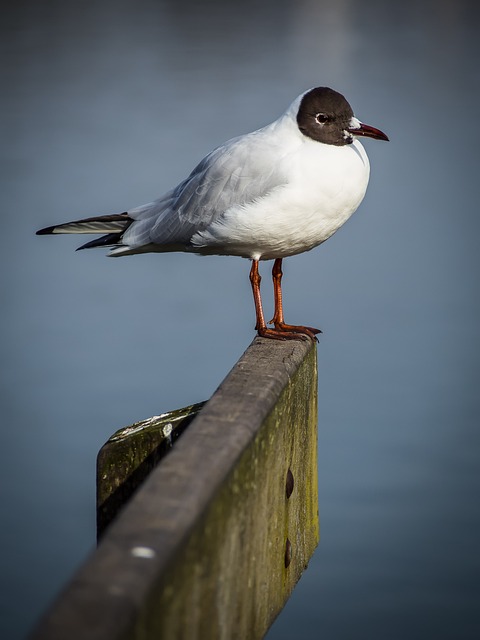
<point x="108" y="104"/>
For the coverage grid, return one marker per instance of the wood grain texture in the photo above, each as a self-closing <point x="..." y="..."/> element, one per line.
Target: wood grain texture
<point x="210" y="546"/>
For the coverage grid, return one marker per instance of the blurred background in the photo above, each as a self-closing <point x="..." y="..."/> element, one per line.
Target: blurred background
<point x="106" y="105"/>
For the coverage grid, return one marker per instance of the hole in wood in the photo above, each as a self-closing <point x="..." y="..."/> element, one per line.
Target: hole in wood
<point x="288" y="553"/>
<point x="289" y="484"/>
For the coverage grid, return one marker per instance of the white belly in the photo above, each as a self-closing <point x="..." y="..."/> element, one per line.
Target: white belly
<point x="326" y="186"/>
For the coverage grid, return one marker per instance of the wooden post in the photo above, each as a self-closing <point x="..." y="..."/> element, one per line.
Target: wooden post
<point x="131" y="454"/>
<point x="213" y="542"/>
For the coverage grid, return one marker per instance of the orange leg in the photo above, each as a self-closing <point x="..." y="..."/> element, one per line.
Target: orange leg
<point x="255" y="279"/>
<point x="278" y="320"/>
<point x="282" y="331"/>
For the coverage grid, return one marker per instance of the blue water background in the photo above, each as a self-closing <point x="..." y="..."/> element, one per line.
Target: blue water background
<point x="105" y="106"/>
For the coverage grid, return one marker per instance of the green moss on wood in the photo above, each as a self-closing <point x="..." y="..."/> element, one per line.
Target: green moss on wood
<point x="230" y="579"/>
<point x="129" y="456"/>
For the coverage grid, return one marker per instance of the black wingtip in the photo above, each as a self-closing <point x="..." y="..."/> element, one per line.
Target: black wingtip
<point x="45" y="232"/>
<point x="110" y="240"/>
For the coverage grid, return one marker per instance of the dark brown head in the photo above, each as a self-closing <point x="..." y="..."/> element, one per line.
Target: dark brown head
<point x="325" y="115"/>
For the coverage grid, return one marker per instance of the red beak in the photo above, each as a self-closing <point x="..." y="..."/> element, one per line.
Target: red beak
<point x="368" y="132"/>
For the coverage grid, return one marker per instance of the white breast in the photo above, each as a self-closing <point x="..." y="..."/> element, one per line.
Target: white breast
<point x="324" y="186"/>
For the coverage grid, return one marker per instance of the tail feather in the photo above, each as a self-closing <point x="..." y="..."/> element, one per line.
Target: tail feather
<point x="110" y="240"/>
<point x="114" y="224"/>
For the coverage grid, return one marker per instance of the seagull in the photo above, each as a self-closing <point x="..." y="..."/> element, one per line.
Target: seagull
<point x="267" y="195"/>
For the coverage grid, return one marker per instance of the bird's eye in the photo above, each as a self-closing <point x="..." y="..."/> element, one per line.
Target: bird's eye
<point x="321" y="118"/>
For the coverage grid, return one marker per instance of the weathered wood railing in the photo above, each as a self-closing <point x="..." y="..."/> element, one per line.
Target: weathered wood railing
<point x="215" y="538"/>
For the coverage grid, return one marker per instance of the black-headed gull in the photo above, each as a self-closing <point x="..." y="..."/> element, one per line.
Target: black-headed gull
<point x="266" y="195"/>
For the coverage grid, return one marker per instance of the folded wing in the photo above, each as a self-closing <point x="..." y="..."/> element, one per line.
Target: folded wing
<point x="238" y="172"/>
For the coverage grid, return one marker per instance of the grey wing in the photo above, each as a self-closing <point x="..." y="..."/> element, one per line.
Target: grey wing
<point x="234" y="174"/>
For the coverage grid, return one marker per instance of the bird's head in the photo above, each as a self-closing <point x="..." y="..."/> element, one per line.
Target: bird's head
<point x="326" y="116"/>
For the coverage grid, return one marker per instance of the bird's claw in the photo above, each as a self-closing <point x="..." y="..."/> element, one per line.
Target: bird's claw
<point x="284" y="331"/>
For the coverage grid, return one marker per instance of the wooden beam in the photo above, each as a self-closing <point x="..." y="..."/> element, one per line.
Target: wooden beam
<point x="214" y="541"/>
<point x="130" y="455"/>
